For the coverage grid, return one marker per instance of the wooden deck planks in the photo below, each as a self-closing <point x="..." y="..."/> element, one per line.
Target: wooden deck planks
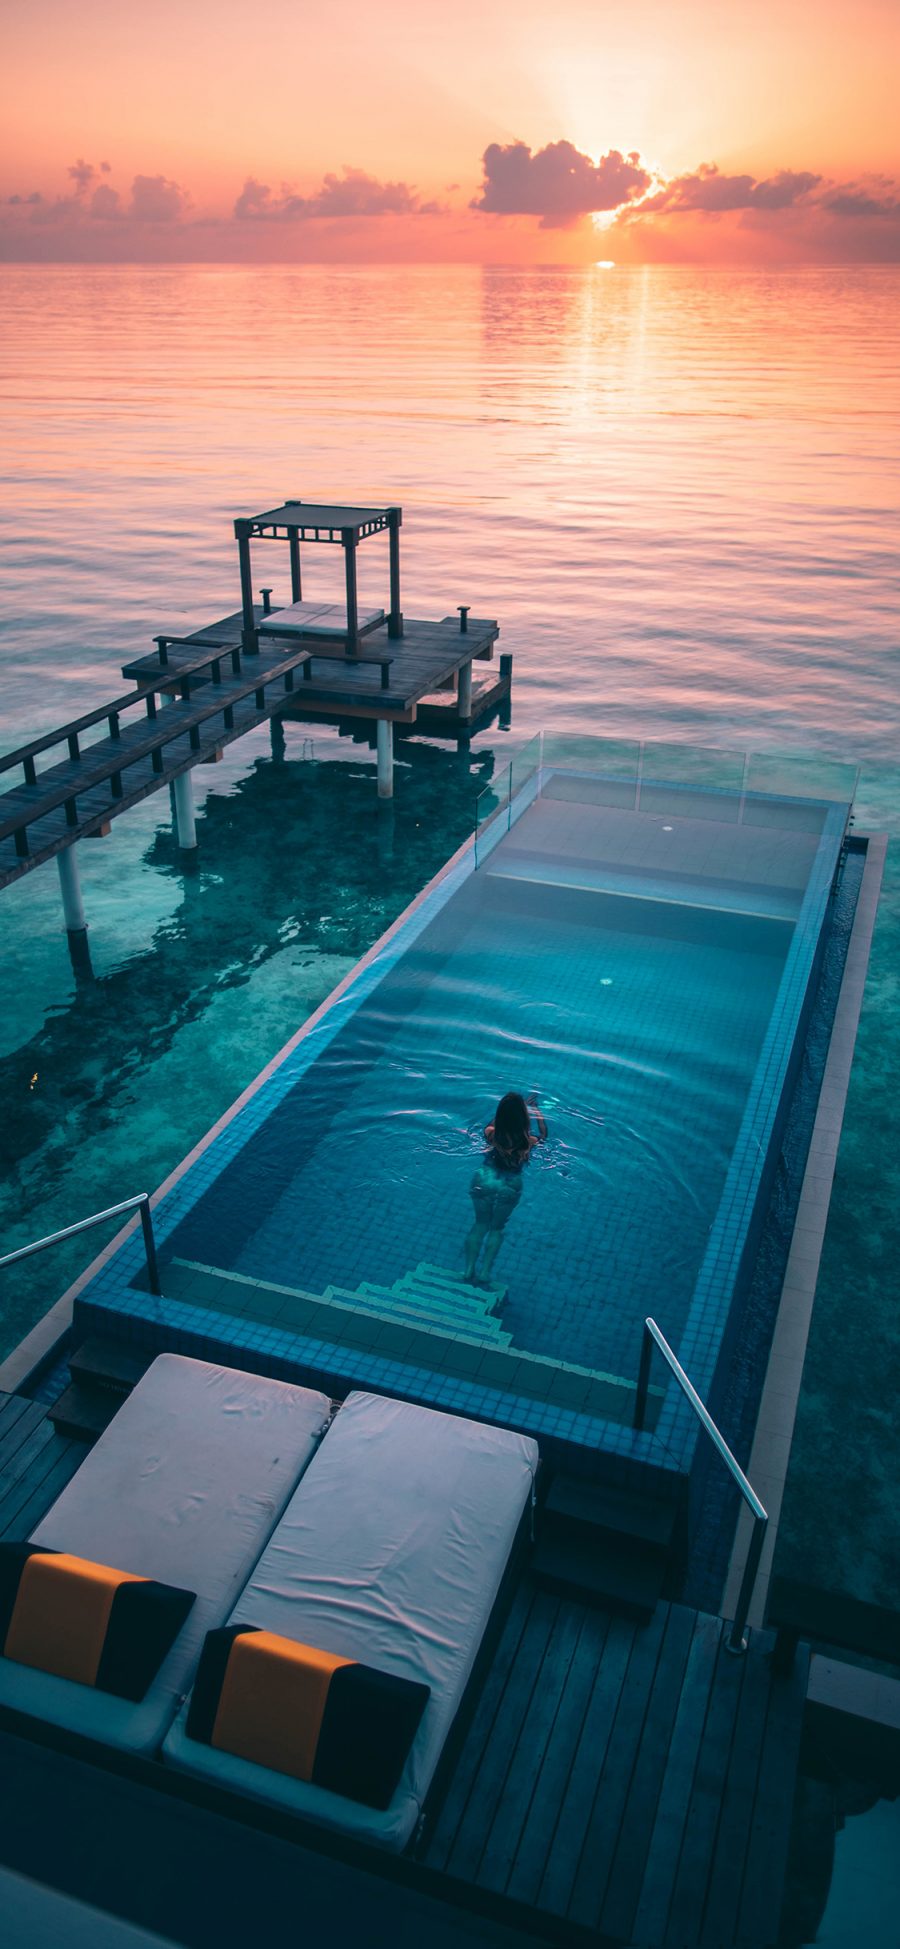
<point x="590" y="1756"/>
<point x="490" y="1779"/>
<point x="35" y="1464"/>
<point x="464" y="1774"/>
<point x="737" y="1799"/>
<point x="503" y="1832"/>
<point x="664" y="1848"/>
<point x="770" y="1832"/>
<point x="17" y="1419"/>
<point x="631" y="1781"/>
<point x="615" y="1779"/>
<point x="616" y="1907"/>
<point x="539" y="1829"/>
<point x="701" y="1826"/>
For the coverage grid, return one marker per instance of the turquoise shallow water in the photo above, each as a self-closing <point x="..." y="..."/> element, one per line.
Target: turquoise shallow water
<point x="677" y="491"/>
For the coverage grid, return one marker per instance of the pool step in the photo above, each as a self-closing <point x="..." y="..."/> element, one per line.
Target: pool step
<point x="261" y="1298"/>
<point x="412" y="1295"/>
<point x="441" y="1277"/>
<point x="449" y="1306"/>
<point x="605" y="1546"/>
<point x="382" y="1303"/>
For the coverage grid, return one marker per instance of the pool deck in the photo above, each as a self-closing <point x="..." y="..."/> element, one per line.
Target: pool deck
<point x="610" y="1781"/>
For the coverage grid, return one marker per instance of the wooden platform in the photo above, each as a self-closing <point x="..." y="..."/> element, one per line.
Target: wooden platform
<point x="426" y="656"/>
<point x="633" y="1780"/>
<point x="35" y="1464"/>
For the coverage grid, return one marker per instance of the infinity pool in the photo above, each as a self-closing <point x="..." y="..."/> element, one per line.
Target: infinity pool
<point x="641" y="961"/>
<point x="637" y="1024"/>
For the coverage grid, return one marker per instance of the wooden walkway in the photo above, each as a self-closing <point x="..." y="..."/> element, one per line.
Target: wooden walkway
<point x="632" y="1780"/>
<point x="35" y="1464"/>
<point x="83" y="793"/>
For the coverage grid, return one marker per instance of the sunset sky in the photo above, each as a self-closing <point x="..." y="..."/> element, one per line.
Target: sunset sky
<point x="492" y="130"/>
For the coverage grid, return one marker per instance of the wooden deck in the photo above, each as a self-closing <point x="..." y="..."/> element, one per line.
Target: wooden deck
<point x="35" y="1464"/>
<point x="613" y="1783"/>
<point x="632" y="1780"/>
<point x="426" y="656"/>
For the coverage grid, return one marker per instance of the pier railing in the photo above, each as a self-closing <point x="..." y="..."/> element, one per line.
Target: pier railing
<point x="736" y="1640"/>
<point x="139" y="1203"/>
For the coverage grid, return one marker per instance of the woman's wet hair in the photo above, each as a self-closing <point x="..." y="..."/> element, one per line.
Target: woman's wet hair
<point x="512" y="1123"/>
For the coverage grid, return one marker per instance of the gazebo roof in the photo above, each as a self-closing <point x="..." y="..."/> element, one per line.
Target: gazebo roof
<point x="318" y="521"/>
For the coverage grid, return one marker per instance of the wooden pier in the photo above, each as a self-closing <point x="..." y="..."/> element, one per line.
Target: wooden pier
<point x="610" y="1782"/>
<point x="195" y="694"/>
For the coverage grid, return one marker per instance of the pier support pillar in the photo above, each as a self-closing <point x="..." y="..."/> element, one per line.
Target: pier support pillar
<point x="185" y="824"/>
<point x="385" y="758"/>
<point x="73" y="913"/>
<point x="464" y="691"/>
<point x="505" y="716"/>
<point x="70" y="883"/>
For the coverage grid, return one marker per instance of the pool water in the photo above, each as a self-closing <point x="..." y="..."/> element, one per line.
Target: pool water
<point x="637" y="1021"/>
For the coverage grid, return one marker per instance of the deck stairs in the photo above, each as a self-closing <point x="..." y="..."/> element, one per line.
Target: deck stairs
<point x="603" y="1546"/>
<point x="103" y="1372"/>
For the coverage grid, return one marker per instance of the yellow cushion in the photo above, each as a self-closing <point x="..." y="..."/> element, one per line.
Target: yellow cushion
<point x="61" y="1615"/>
<point x="272" y="1702"/>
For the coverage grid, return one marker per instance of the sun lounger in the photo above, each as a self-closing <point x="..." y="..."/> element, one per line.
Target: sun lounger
<point x="183" y="1488"/>
<point x="391" y="1553"/>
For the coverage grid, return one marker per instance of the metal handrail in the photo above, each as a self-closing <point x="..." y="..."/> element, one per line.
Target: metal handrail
<point x="140" y="1203"/>
<point x="736" y="1640"/>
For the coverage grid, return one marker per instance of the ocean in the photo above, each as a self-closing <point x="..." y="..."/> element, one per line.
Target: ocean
<point x="676" y="489"/>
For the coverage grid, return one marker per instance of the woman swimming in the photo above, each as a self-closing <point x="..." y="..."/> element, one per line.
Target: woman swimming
<point x="496" y="1188"/>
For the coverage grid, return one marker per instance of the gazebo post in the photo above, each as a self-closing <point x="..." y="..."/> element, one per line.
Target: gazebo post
<point x="249" y="640"/>
<point x="294" y="545"/>
<point x="395" y="619"/>
<point x="348" y="538"/>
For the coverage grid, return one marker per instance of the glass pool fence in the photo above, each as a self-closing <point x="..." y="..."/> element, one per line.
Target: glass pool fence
<point x="703" y="782"/>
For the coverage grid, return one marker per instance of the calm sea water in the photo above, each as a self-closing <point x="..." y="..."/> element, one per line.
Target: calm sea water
<point x="678" y="492"/>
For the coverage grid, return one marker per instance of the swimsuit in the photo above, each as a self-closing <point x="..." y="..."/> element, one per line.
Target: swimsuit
<point x="495" y="1190"/>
